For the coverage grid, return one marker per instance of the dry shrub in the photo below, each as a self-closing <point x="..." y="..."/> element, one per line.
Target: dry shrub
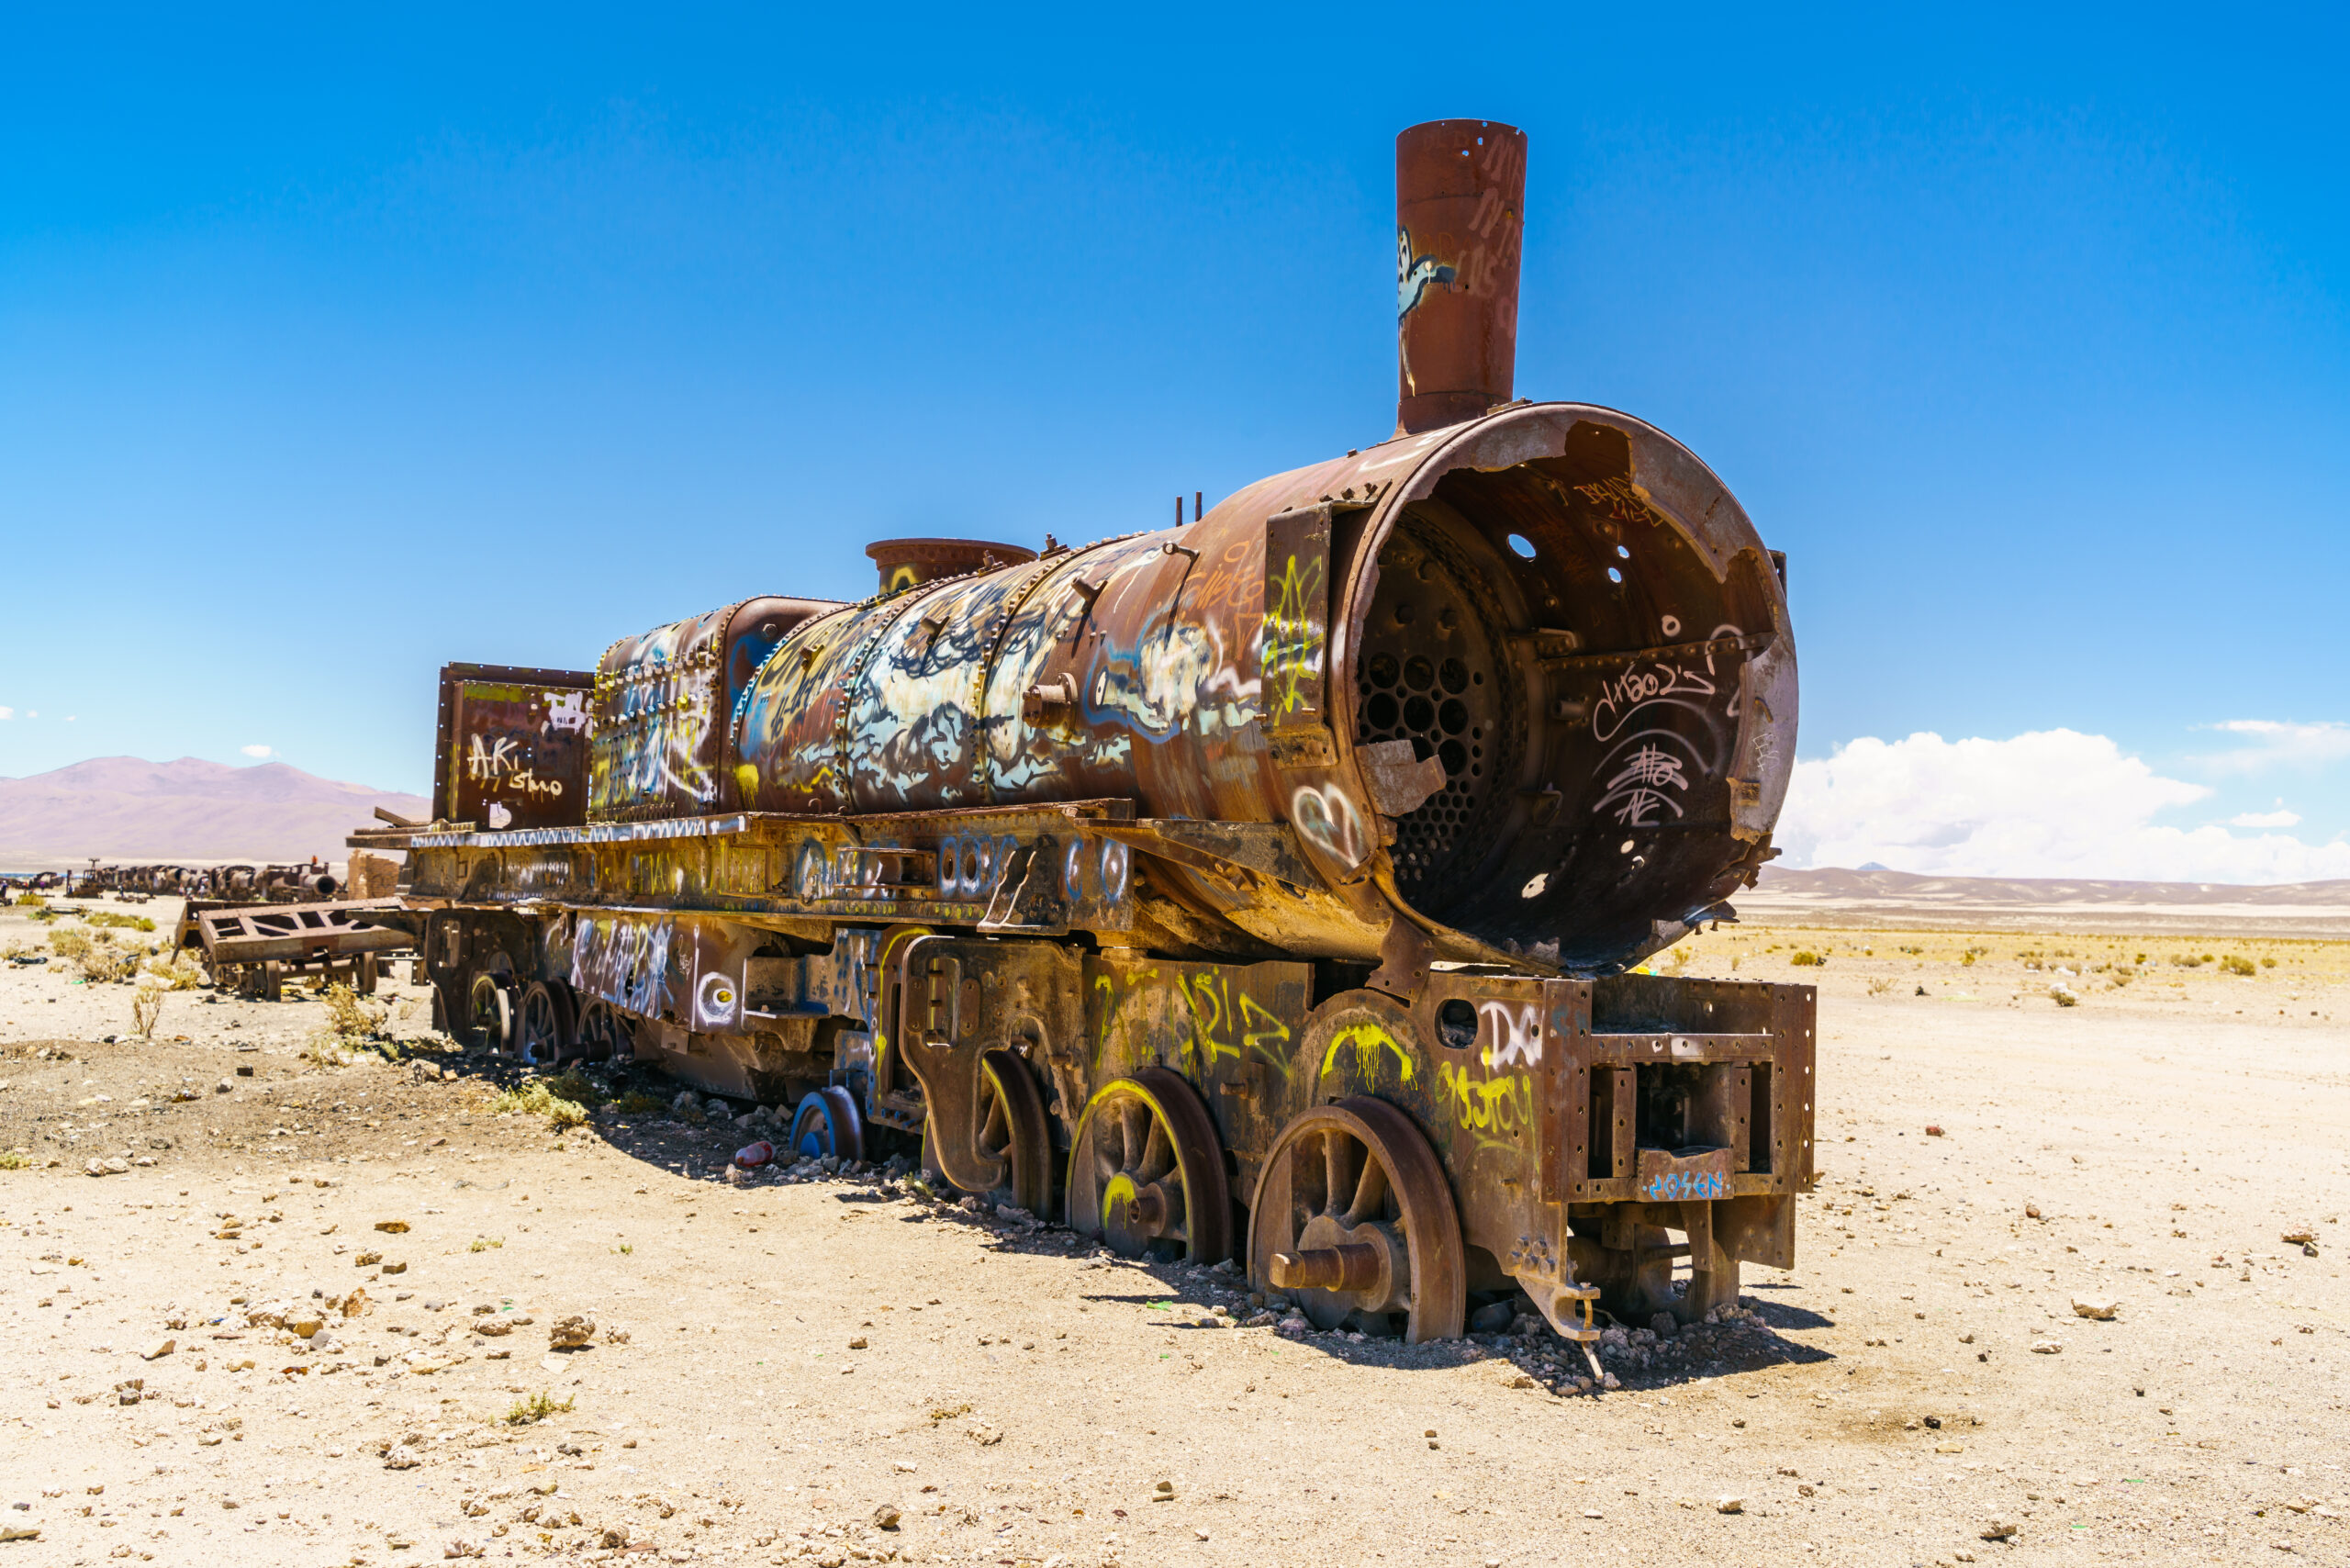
<point x="536" y="1098"/>
<point x="178" y="971"/>
<point x="146" y="1006"/>
<point x="105" y="966"/>
<point x="71" y="942"/>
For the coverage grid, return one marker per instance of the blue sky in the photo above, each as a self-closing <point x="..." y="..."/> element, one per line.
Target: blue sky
<point x="333" y="349"/>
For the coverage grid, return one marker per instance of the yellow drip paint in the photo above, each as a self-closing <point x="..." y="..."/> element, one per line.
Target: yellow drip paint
<point x="1367" y="1039"/>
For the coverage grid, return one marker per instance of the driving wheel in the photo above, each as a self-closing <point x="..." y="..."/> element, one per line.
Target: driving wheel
<point x="489" y="1011"/>
<point x="828" y="1122"/>
<point x="1146" y="1171"/>
<point x="604" y="1033"/>
<point x="1636" y="1283"/>
<point x="543" y="1023"/>
<point x="1012" y="1130"/>
<point x="1353" y="1216"/>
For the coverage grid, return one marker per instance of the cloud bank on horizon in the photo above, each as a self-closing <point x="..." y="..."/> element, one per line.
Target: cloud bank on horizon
<point x="2050" y="803"/>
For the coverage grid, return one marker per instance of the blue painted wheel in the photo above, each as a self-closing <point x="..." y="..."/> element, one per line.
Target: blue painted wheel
<point x="828" y="1122"/>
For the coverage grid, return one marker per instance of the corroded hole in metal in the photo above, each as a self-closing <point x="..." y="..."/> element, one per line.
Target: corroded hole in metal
<point x="1430" y="674"/>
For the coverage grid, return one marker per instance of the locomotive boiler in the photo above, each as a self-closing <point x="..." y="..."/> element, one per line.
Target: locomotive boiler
<point x="1272" y="884"/>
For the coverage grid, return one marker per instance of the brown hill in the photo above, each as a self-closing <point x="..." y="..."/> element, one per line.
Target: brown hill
<point x="127" y="810"/>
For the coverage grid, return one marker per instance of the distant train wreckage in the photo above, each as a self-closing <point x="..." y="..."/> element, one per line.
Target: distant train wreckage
<point x="1267" y="885"/>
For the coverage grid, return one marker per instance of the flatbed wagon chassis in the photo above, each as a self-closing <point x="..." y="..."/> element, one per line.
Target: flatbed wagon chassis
<point x="1378" y="1141"/>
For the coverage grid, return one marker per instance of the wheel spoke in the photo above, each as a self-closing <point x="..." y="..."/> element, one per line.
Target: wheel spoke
<point x="1370" y="1192"/>
<point x="1157" y="1155"/>
<point x="1339" y="1154"/>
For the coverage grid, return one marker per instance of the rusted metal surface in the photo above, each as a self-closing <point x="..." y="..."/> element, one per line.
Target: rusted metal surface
<point x="1459" y="217"/>
<point x="256" y="949"/>
<point x="1262" y="886"/>
<point x="513" y="747"/>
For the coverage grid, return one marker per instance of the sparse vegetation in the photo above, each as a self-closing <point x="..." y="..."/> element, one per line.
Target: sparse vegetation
<point x="1805" y="958"/>
<point x="180" y="971"/>
<point x="106" y="917"/>
<point x="536" y="1097"/>
<point x="484" y="1243"/>
<point x="2236" y="964"/>
<point x="13" y="1159"/>
<point x="73" y="942"/>
<point x="538" y="1407"/>
<point x="636" y="1102"/>
<point x="146" y="1006"/>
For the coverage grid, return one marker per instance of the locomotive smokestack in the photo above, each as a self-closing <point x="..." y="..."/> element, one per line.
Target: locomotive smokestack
<point x="1459" y="201"/>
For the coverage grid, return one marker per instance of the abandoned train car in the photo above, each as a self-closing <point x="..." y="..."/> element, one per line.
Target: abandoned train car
<point x="1270" y="885"/>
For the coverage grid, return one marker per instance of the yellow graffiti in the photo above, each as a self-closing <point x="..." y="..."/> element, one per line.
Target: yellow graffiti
<point x="1366" y="1040"/>
<point x="1293" y="637"/>
<point x="1209" y="1012"/>
<point x="1489" y="1108"/>
<point x="1258" y="1026"/>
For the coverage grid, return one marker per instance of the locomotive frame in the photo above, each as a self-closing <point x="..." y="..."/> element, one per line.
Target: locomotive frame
<point x="1271" y="886"/>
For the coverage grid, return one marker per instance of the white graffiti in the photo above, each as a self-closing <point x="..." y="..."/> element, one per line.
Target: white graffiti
<point x="1636" y="689"/>
<point x="1509" y="1035"/>
<point x="567" y="711"/>
<point x="1637" y="791"/>
<point x="1327" y="818"/>
<point x="490" y="761"/>
<point x="714" y="1000"/>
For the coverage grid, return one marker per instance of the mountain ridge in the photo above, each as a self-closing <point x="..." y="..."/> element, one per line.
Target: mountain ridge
<point x="130" y="809"/>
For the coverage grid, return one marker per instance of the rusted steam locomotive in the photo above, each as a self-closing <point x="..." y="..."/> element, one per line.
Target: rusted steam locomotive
<point x="1268" y="884"/>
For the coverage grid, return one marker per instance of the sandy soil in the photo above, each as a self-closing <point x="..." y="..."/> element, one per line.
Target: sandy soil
<point x="1019" y="1400"/>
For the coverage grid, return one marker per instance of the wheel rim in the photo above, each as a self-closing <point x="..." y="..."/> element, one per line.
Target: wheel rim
<point x="543" y="1024"/>
<point x="828" y="1122"/>
<point x="602" y="1031"/>
<point x="1012" y="1130"/>
<point x="1146" y="1171"/>
<point x="1353" y="1215"/>
<point x="491" y="1010"/>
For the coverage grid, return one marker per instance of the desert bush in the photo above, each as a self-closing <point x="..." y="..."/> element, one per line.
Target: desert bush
<point x="575" y="1085"/>
<point x="1805" y="958"/>
<point x="180" y="970"/>
<point x="1879" y="986"/>
<point x="106" y="917"/>
<point x="636" y="1102"/>
<point x="146" y="1006"/>
<point x="105" y="966"/>
<point x="2234" y="965"/>
<point x="70" y="943"/>
<point x="534" y="1098"/>
<point x="2061" y="997"/>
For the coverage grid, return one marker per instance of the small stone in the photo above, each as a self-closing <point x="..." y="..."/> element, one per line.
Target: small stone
<point x="1998" y="1529"/>
<point x="368" y="1259"/>
<point x="1729" y="1504"/>
<point x="399" y="1456"/>
<point x="159" y="1349"/>
<point x="615" y="1537"/>
<point x="886" y="1516"/>
<point x="572" y="1332"/>
<point x="2297" y="1235"/>
<point x="1932" y="1130"/>
<point x="395" y="1268"/>
<point x="1164" y="1491"/>
<point x="2100" y="1308"/>
<point x="392" y="1226"/>
<point x="2032" y="1211"/>
<point x="858" y="1343"/>
<point x="987" y="1436"/>
<point x="1492" y="1319"/>
<point x="2046" y="1348"/>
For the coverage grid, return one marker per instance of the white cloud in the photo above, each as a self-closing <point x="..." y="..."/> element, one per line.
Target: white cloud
<point x="2271" y="742"/>
<point x="2277" y="818"/>
<point x="7" y="712"/>
<point x="255" y="750"/>
<point x="2050" y="803"/>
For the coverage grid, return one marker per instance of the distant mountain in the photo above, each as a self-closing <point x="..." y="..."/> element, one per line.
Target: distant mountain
<point x="132" y="811"/>
<point x="1883" y="899"/>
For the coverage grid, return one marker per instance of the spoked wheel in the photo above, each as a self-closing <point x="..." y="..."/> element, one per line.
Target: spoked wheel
<point x="1636" y="1283"/>
<point x="828" y="1122"/>
<point x="604" y="1033"/>
<point x="489" y="1011"/>
<point x="1012" y="1129"/>
<point x="1353" y="1216"/>
<point x="1146" y="1171"/>
<point x="544" y="1023"/>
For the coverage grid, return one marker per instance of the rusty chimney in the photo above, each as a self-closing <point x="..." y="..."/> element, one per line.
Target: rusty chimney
<point x="1460" y="204"/>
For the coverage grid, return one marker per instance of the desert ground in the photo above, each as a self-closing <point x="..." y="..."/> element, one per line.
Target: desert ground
<point x="312" y="1317"/>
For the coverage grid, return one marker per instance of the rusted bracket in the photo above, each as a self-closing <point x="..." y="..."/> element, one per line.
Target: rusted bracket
<point x="1556" y="651"/>
<point x="940" y="1042"/>
<point x="1267" y="849"/>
